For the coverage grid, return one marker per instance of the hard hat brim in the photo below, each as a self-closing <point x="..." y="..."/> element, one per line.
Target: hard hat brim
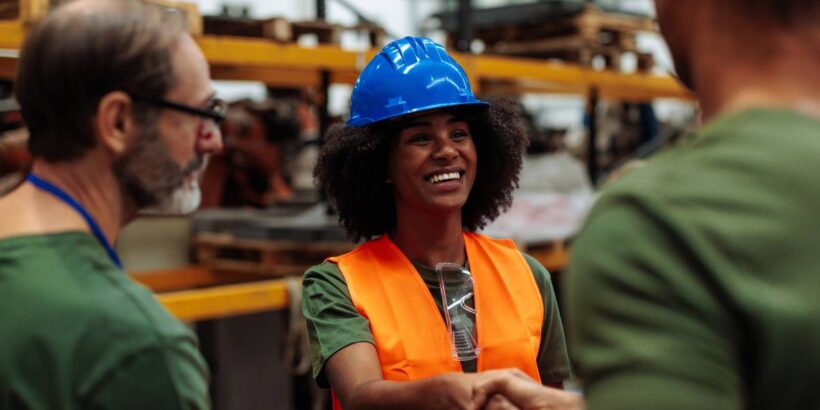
<point x="360" y="122"/>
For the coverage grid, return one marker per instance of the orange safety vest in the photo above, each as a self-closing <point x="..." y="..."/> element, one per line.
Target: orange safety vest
<point x="410" y="334"/>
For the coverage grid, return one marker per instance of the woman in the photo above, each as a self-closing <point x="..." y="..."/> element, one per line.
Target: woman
<point x="421" y="165"/>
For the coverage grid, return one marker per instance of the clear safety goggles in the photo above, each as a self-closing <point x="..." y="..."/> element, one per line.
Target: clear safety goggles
<point x="456" y="285"/>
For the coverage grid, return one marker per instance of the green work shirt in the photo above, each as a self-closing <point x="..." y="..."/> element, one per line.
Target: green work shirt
<point x="334" y="323"/>
<point x="76" y="332"/>
<point x="695" y="283"/>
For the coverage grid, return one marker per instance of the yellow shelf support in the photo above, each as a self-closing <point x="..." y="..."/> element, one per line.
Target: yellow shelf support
<point x="290" y="64"/>
<point x="556" y="77"/>
<point x="249" y="52"/>
<point x="184" y="278"/>
<point x="293" y="65"/>
<point x="226" y="301"/>
<point x="11" y="34"/>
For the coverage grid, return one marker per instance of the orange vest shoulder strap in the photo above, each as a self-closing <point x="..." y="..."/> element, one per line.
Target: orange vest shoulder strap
<point x="410" y="334"/>
<point x="509" y="305"/>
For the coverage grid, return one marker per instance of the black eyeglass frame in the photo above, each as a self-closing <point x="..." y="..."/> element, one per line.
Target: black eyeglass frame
<point x="217" y="116"/>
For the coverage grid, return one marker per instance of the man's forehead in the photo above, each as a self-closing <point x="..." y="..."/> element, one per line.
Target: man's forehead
<point x="191" y="70"/>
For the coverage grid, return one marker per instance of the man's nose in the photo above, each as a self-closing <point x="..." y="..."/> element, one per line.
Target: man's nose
<point x="210" y="139"/>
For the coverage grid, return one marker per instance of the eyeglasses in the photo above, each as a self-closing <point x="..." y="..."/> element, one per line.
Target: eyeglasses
<point x="215" y="110"/>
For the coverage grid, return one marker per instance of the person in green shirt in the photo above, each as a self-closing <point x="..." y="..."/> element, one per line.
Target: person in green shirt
<point x="420" y="166"/>
<point x="694" y="283"/>
<point x="119" y="105"/>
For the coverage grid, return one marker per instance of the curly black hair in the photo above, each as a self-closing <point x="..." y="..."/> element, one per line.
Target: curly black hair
<point x="352" y="169"/>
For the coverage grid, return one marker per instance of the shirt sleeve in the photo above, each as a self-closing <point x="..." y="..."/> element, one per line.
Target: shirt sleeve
<point x="171" y="377"/>
<point x="648" y="329"/>
<point x="333" y="322"/>
<point x="554" y="364"/>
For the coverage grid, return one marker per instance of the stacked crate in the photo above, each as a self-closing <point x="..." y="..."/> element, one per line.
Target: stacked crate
<point x="559" y="30"/>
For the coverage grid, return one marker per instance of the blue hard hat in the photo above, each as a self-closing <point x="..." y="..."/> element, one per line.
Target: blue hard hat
<point x="409" y="75"/>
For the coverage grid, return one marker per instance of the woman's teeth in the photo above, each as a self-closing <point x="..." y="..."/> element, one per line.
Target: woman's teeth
<point x="444" y="177"/>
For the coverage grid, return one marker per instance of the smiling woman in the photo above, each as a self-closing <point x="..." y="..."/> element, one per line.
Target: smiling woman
<point x="432" y="163"/>
<point x="420" y="166"/>
<point x="354" y="164"/>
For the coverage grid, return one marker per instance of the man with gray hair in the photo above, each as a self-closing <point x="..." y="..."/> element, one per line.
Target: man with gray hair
<point x="122" y="115"/>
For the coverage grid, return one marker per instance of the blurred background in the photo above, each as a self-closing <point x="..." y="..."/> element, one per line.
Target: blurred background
<point x="594" y="82"/>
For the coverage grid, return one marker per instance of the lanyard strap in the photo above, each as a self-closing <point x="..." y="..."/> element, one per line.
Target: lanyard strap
<point x="65" y="197"/>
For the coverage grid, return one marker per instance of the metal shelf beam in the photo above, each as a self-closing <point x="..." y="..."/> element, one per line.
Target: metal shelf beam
<point x="292" y="65"/>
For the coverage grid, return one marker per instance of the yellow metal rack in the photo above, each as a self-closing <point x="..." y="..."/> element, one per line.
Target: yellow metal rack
<point x="275" y="64"/>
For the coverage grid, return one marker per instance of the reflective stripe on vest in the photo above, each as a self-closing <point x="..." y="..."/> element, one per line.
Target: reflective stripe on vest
<point x="410" y="334"/>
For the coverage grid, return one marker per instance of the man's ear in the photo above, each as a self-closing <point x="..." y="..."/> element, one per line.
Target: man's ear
<point x="114" y="123"/>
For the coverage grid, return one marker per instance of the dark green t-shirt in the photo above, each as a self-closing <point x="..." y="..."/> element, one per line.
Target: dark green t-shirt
<point x="76" y="332"/>
<point x="334" y="323"/>
<point x="696" y="281"/>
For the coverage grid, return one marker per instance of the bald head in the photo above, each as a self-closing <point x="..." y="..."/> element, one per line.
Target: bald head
<point x="79" y="53"/>
<point x="743" y="31"/>
<point x="744" y="53"/>
<point x="787" y="14"/>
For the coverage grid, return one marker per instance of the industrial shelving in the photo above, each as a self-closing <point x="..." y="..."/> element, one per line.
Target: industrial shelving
<point x="276" y="64"/>
<point x="291" y="65"/>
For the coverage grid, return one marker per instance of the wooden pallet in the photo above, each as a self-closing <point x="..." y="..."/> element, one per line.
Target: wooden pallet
<point x="580" y="38"/>
<point x="225" y="253"/>
<point x="286" y="31"/>
<point x="25" y="11"/>
<point x="29" y="12"/>
<point x="590" y="23"/>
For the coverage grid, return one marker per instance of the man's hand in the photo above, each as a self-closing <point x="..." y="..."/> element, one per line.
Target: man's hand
<point x="499" y="402"/>
<point x="447" y="391"/>
<point x="460" y="390"/>
<point x="523" y="393"/>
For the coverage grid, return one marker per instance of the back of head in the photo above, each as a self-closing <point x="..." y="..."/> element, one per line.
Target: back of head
<point x="79" y="53"/>
<point x="716" y="37"/>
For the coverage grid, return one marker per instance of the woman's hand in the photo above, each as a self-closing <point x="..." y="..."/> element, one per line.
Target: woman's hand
<point x="355" y="375"/>
<point x="526" y="394"/>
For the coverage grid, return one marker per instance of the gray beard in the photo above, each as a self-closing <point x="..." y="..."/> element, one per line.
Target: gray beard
<point x="183" y="201"/>
<point x="152" y="179"/>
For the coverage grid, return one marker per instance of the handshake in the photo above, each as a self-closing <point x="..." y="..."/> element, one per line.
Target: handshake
<point x="501" y="390"/>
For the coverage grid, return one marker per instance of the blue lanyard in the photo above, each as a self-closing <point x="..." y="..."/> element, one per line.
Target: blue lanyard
<point x="65" y="197"/>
